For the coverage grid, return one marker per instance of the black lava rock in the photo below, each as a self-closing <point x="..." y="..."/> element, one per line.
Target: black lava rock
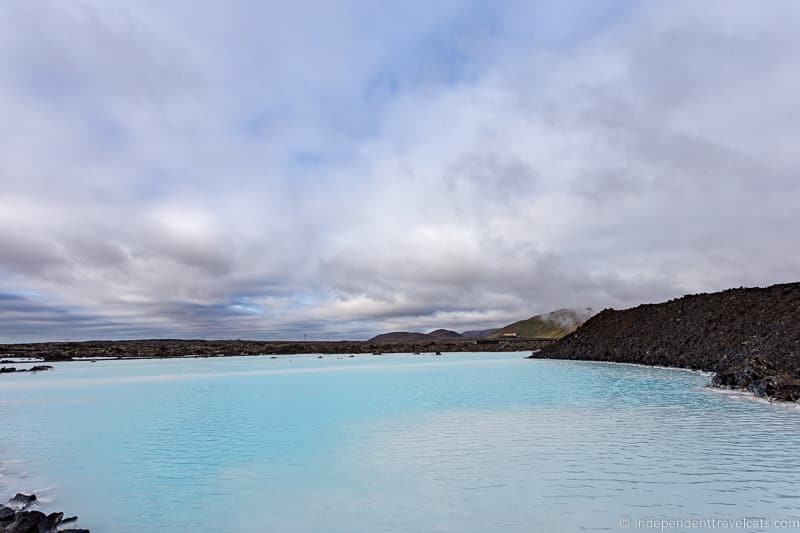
<point x="6" y="514"/>
<point x="55" y="518"/>
<point x="21" y="501"/>
<point x="29" y="522"/>
<point x="18" y="519"/>
<point x="749" y="337"/>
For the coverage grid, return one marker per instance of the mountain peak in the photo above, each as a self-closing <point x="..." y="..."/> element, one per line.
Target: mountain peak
<point x="552" y="325"/>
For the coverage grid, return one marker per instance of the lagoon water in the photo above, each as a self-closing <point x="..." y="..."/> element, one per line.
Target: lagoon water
<point x="458" y="443"/>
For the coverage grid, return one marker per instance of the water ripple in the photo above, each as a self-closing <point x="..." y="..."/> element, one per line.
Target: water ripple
<point x="463" y="443"/>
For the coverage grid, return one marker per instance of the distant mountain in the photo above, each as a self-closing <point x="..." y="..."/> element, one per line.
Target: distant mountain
<point x="444" y="334"/>
<point x="553" y="325"/>
<point x="411" y="337"/>
<point x="478" y="333"/>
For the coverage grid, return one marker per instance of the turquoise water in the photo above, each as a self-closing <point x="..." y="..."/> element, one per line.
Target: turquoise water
<point x="458" y="443"/>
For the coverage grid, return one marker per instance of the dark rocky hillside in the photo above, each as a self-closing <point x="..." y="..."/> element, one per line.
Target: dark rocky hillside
<point x="749" y="337"/>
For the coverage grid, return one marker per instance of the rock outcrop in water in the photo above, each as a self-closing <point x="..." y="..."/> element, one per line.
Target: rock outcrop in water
<point x="13" y="369"/>
<point x="749" y="337"/>
<point x="18" y="517"/>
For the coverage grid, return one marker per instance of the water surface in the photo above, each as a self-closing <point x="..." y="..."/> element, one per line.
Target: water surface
<point x="458" y="443"/>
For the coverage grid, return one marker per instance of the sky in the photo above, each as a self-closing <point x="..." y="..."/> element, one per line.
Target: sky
<point x="337" y="169"/>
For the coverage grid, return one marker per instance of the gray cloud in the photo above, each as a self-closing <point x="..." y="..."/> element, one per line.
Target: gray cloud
<point x="339" y="170"/>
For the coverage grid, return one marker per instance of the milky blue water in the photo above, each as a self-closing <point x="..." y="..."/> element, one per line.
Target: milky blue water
<point x="458" y="443"/>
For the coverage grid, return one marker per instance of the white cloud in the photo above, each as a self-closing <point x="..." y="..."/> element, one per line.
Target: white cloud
<point x="258" y="170"/>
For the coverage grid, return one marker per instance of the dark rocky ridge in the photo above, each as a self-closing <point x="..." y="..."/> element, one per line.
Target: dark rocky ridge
<point x="749" y="337"/>
<point x="154" y="349"/>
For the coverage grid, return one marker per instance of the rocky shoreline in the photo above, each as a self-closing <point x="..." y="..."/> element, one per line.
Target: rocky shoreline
<point x="749" y="338"/>
<point x="162" y="349"/>
<point x="18" y="516"/>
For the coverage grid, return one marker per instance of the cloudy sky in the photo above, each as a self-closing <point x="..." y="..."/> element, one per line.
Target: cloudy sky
<point x="271" y="169"/>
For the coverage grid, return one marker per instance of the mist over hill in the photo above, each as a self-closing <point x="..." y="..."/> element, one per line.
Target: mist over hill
<point x="552" y="325"/>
